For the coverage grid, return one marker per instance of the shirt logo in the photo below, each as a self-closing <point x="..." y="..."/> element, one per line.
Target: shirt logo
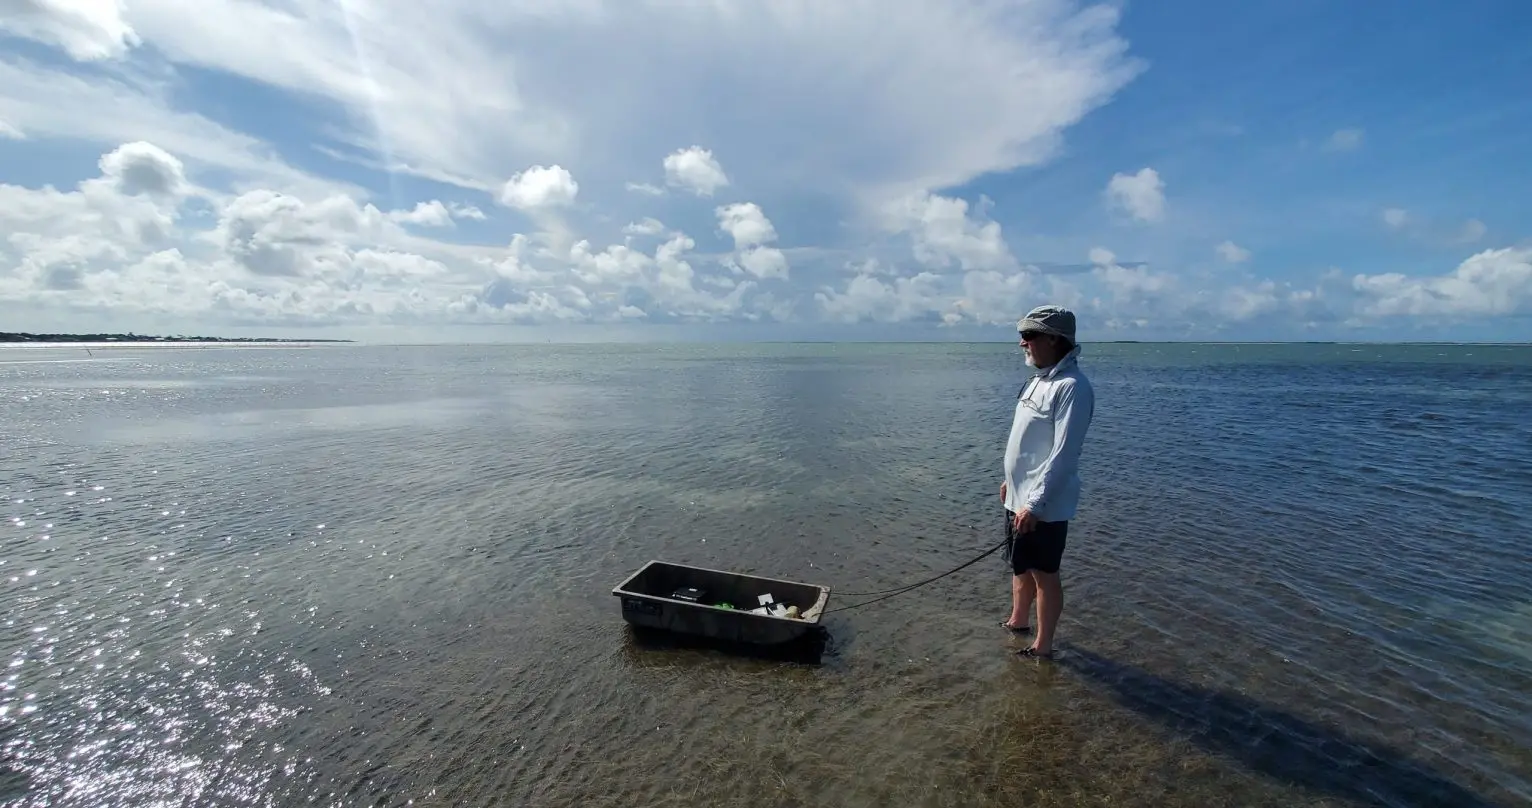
<point x="1025" y="397"/>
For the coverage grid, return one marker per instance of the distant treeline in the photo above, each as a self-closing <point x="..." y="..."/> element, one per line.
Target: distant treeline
<point x="131" y="337"/>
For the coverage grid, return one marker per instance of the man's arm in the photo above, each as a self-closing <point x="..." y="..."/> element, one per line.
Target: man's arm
<point x="1073" y="408"/>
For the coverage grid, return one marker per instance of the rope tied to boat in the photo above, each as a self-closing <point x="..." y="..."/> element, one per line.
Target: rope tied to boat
<point x="897" y="591"/>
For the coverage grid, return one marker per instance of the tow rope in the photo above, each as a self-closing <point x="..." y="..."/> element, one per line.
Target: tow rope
<point x="891" y="593"/>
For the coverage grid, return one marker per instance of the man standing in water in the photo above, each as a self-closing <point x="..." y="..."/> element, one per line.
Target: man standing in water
<point x="1042" y="481"/>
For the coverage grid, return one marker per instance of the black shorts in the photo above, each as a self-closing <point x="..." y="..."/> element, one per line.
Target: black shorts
<point x="1041" y="548"/>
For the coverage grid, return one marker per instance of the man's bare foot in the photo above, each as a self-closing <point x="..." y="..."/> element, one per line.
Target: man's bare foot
<point x="1036" y="654"/>
<point x="1021" y="629"/>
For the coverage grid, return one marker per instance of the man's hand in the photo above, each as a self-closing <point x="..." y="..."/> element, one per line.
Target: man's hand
<point x="1024" y="521"/>
<point x="1002" y="491"/>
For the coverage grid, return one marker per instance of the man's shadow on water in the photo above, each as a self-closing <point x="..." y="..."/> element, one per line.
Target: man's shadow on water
<point x="1275" y="743"/>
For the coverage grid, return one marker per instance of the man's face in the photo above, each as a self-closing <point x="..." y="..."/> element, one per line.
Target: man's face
<point x="1040" y="349"/>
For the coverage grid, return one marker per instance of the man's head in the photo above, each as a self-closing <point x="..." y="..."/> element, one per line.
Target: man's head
<point x="1046" y="335"/>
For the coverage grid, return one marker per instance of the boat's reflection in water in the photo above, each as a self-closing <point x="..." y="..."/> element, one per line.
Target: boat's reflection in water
<point x="651" y="646"/>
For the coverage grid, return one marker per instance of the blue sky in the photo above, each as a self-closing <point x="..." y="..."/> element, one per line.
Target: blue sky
<point x="483" y="170"/>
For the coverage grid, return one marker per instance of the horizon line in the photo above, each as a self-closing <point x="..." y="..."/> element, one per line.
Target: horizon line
<point x="297" y="341"/>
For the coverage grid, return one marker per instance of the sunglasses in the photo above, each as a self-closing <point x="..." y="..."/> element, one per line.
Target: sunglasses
<point x="1028" y="336"/>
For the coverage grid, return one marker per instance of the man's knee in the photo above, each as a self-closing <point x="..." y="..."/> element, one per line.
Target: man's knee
<point x="1040" y="578"/>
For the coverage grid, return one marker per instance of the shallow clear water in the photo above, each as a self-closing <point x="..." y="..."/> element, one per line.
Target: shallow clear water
<point x="376" y="575"/>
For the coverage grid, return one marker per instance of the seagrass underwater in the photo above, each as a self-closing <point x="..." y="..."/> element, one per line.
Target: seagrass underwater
<point x="357" y="574"/>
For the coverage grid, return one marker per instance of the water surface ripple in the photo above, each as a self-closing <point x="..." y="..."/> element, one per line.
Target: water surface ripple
<point x="380" y="575"/>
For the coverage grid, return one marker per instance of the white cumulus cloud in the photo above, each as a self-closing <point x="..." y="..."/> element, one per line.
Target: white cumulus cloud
<point x="1488" y="284"/>
<point x="539" y="188"/>
<point x="944" y="233"/>
<point x="752" y="231"/>
<point x="746" y="224"/>
<point x="425" y="214"/>
<point x="696" y="170"/>
<point x="143" y="168"/>
<point x="1141" y="195"/>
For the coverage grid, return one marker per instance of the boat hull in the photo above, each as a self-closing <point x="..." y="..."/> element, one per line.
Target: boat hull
<point x="719" y="605"/>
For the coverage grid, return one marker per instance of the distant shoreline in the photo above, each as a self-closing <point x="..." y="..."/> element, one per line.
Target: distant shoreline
<point x="139" y="339"/>
<point x="10" y="340"/>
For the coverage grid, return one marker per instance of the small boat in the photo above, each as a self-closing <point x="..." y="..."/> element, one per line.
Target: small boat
<point x="730" y="607"/>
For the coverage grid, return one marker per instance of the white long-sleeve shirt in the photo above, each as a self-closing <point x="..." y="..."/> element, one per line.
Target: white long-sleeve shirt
<point x="1042" y="455"/>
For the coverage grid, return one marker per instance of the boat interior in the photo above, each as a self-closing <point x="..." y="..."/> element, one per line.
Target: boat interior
<point x="721" y="589"/>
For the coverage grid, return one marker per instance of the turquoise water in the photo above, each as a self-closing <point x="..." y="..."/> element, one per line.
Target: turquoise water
<point x="372" y="574"/>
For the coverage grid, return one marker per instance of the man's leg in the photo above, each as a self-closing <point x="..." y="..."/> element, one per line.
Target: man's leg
<point x="1050" y="604"/>
<point x="1023" y="590"/>
<point x="1047" y="545"/>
